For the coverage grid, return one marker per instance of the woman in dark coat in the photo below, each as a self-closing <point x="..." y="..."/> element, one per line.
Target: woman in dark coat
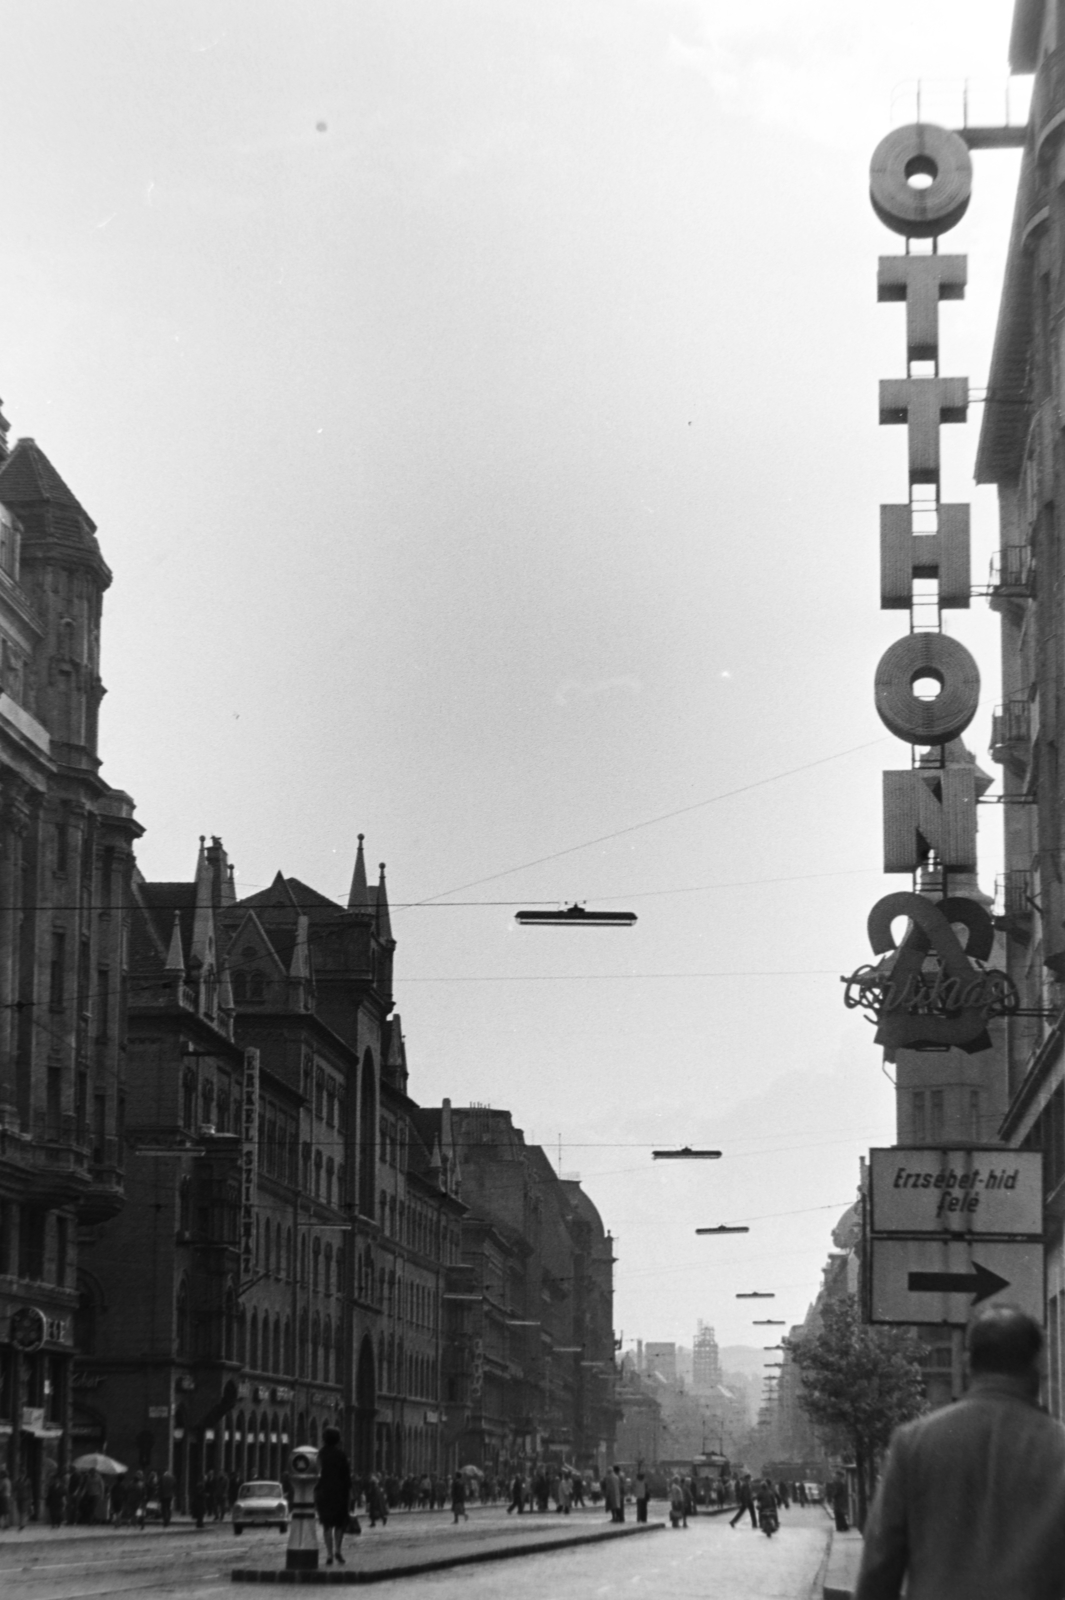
<point x="332" y="1495"/>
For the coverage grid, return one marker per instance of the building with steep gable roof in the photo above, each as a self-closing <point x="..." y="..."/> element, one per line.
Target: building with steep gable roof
<point x="306" y="1290"/>
<point x="66" y="860"/>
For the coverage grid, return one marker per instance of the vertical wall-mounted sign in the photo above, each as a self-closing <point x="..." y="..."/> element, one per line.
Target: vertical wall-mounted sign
<point x="930" y="991"/>
<point x="249" y="1160"/>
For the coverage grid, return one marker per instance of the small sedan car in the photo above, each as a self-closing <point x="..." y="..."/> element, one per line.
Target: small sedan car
<point x="260" y="1505"/>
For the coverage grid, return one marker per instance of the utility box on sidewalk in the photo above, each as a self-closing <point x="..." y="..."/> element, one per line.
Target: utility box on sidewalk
<point x="302" y="1553"/>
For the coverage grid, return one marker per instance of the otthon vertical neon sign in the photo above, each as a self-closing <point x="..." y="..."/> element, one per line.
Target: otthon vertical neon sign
<point x="933" y="991"/>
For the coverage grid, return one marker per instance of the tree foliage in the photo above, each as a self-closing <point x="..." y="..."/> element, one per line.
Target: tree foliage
<point x="859" y="1383"/>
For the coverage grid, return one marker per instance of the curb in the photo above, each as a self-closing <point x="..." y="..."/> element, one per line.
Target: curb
<point x="12" y="1539"/>
<point x="410" y="1569"/>
<point x="841" y="1568"/>
<point x="817" y="1588"/>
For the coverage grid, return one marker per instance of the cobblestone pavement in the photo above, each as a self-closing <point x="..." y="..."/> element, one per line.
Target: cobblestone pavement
<point x="708" y="1561"/>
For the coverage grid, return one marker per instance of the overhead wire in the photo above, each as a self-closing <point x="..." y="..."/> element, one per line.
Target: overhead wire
<point x="315" y="934"/>
<point x="651" y="822"/>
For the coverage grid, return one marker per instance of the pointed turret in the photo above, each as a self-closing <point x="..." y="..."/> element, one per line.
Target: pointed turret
<point x="359" y="897"/>
<point x="202" y="953"/>
<point x="395" y="1068"/>
<point x="175" y="956"/>
<point x="45" y="505"/>
<point x="383" y="923"/>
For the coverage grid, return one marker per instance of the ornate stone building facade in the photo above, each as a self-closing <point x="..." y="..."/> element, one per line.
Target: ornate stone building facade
<point x="289" y="1228"/>
<point x="1022" y="452"/>
<point x="224" y="1222"/>
<point x="529" y="1369"/>
<point x="66" y="840"/>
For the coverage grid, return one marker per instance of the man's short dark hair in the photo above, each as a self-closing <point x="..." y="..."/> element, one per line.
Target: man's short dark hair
<point x="331" y="1436"/>
<point x="1004" y="1339"/>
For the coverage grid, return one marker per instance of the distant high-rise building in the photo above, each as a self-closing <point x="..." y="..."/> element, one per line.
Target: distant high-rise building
<point x="706" y="1362"/>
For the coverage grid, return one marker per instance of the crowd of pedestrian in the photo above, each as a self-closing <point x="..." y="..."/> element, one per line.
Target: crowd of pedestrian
<point x="134" y="1498"/>
<point x="74" y="1498"/>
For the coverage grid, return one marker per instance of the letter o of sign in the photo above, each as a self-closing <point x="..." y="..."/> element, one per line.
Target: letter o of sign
<point x="927" y="655"/>
<point x="920" y="150"/>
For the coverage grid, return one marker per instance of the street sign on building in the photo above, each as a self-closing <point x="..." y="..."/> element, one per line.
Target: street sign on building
<point x="964" y="1191"/>
<point x="942" y="1280"/>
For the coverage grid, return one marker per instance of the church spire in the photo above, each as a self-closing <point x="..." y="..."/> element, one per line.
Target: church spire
<point x="359" y="897"/>
<point x="384" y="923"/>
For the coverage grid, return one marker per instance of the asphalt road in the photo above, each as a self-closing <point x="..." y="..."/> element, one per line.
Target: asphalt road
<point x="708" y="1561"/>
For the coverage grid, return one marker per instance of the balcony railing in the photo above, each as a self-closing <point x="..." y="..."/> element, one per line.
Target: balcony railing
<point x="1011" y="735"/>
<point x="1011" y="571"/>
<point x="1013" y="891"/>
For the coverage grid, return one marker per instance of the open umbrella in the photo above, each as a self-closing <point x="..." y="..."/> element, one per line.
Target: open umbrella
<point x="472" y="1471"/>
<point x="105" y="1465"/>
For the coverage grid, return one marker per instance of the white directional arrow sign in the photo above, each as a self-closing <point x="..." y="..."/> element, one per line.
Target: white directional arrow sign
<point x="942" y="1280"/>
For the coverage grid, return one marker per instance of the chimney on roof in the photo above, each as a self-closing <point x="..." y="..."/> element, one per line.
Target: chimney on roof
<point x="222" y="890"/>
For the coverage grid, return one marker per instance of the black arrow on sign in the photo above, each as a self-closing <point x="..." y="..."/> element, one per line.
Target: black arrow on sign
<point x="980" y="1283"/>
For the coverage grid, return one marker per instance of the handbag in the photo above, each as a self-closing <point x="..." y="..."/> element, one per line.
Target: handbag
<point x="353" y="1524"/>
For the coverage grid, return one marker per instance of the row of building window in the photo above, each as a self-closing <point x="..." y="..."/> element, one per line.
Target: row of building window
<point x="280" y="1154"/>
<point x="267" y="1347"/>
<point x="416" y="1229"/>
<point x="929" y="1125"/>
<point x="402" y="1297"/>
<point x="93" y="1003"/>
<point x="325" y="1092"/>
<point x="24" y="1244"/>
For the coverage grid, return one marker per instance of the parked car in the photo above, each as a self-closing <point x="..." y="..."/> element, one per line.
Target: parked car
<point x="260" y="1505"/>
<point x="815" y="1493"/>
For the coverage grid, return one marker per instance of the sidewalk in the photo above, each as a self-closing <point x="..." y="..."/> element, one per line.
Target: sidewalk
<point x="844" y="1559"/>
<point x="449" y="1546"/>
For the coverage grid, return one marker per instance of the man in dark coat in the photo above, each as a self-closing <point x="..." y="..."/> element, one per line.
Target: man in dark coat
<point x="971" y="1505"/>
<point x="744" y="1501"/>
<point x="332" y="1494"/>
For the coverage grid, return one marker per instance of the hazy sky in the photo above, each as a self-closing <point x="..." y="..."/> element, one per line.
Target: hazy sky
<point x="477" y="400"/>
